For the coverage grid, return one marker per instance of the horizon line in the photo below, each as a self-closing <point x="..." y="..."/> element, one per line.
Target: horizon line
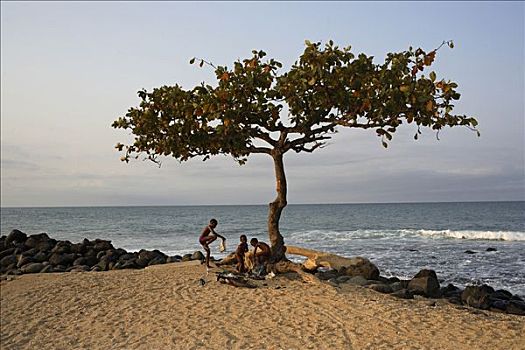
<point x="260" y="204"/>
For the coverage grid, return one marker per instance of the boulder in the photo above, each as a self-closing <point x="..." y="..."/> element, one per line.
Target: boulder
<point x="516" y="307"/>
<point x="32" y="268"/>
<point x="78" y="248"/>
<point x="8" y="260"/>
<point x="490" y="249"/>
<point x="126" y="256"/>
<point x="403" y="294"/>
<point x="141" y="263"/>
<point x="34" y="240"/>
<point x="23" y="260"/>
<point x="343" y="279"/>
<point x="450" y="291"/>
<point x="41" y="256"/>
<point x="6" y="252"/>
<point x="197" y="256"/>
<point x="470" y="252"/>
<point x="128" y="264"/>
<point x="102" y="245"/>
<point x="381" y="288"/>
<point x="62" y="247"/>
<point x="326" y="275"/>
<point x="186" y="257"/>
<point x="61" y="259"/>
<point x="399" y="285"/>
<point x="501" y="294"/>
<point x="15" y="236"/>
<point x="498" y="305"/>
<point x="30" y="252"/>
<point x="477" y="296"/>
<point x="172" y="259"/>
<point x="425" y="283"/>
<point x="358" y="280"/>
<point x="47" y="269"/>
<point x="157" y="260"/>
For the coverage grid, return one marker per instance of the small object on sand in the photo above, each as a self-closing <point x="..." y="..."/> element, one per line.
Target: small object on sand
<point x="202" y="281"/>
<point x="222" y="247"/>
<point x="234" y="280"/>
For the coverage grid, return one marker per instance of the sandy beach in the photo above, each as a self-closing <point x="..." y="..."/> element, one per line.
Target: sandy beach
<point x="164" y="306"/>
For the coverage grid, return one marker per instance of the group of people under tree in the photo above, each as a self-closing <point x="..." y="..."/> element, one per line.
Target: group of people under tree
<point x="261" y="252"/>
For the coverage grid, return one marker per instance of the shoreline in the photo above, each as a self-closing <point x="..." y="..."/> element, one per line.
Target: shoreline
<point x="164" y="306"/>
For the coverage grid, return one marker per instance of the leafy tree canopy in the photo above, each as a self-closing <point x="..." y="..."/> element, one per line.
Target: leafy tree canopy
<point x="328" y="87"/>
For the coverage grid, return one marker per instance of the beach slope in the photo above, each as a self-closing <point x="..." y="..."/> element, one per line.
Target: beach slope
<point x="165" y="306"/>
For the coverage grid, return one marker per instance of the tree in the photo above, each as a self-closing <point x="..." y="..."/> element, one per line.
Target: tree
<point x="327" y="88"/>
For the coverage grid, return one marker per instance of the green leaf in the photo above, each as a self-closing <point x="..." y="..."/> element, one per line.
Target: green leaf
<point x="432" y="76"/>
<point x="308" y="43"/>
<point x="384" y="144"/>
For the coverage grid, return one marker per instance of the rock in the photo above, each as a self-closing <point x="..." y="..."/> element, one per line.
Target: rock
<point x="80" y="261"/>
<point x="456" y="300"/>
<point x="59" y="268"/>
<point x="34" y="241"/>
<point x="41" y="256"/>
<point x="343" y="279"/>
<point x="30" y="252"/>
<point x="8" y="260"/>
<point x="79" y="268"/>
<point x="399" y="285"/>
<point x="381" y="288"/>
<point x="142" y="263"/>
<point x="325" y="276"/>
<point x="126" y="256"/>
<point x="128" y="264"/>
<point x="403" y="294"/>
<point x="501" y="294"/>
<point x="172" y="259"/>
<point x="15" y="236"/>
<point x="477" y="296"/>
<point x="361" y="267"/>
<point x="425" y="283"/>
<point x="450" y="290"/>
<point x="358" y="280"/>
<point x="490" y="249"/>
<point x="24" y="260"/>
<point x="197" y="256"/>
<point x="78" y="248"/>
<point x="157" y="260"/>
<point x="61" y="259"/>
<point x="47" y="269"/>
<point x="62" y="247"/>
<point x="32" y="268"/>
<point x="102" y="245"/>
<point x="393" y="280"/>
<point x="91" y="252"/>
<point x="6" y="252"/>
<point x="498" y="305"/>
<point x="515" y="297"/>
<point x="516" y="307"/>
<point x="95" y="268"/>
<point x="100" y="254"/>
<point x="186" y="257"/>
<point x="470" y="252"/>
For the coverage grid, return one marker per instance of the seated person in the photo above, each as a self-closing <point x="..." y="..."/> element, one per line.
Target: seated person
<point x="261" y="252"/>
<point x="242" y="248"/>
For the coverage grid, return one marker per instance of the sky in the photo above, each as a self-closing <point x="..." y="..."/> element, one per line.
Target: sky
<point x="69" y="69"/>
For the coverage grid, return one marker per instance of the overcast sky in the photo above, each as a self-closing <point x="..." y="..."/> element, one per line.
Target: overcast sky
<point x="70" y="69"/>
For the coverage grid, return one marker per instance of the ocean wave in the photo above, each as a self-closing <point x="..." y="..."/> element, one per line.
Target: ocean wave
<point x="475" y="235"/>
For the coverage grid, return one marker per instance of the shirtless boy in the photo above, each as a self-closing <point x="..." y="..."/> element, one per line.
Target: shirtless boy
<point x="261" y="252"/>
<point x="242" y="248"/>
<point x="207" y="236"/>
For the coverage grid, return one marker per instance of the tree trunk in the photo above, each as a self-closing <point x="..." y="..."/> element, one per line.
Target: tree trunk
<point x="276" y="208"/>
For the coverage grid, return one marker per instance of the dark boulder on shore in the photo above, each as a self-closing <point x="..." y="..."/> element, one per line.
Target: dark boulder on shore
<point x="477" y="296"/>
<point x="425" y="283"/>
<point x="15" y="236"/>
<point x="20" y="253"/>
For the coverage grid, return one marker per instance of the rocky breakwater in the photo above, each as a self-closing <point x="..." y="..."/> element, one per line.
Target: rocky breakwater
<point x="425" y="284"/>
<point x="20" y="254"/>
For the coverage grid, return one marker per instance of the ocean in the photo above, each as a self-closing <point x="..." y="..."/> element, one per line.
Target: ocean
<point x="400" y="239"/>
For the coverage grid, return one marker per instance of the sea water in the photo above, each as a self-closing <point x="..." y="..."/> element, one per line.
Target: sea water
<point x="400" y="239"/>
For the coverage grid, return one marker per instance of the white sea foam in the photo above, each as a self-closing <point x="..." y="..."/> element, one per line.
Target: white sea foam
<point x="479" y="235"/>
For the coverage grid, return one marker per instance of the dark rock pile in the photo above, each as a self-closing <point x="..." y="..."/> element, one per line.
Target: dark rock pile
<point x="426" y="284"/>
<point x="21" y="254"/>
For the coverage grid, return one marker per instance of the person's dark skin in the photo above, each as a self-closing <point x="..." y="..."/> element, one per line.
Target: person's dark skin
<point x="261" y="252"/>
<point x="207" y="236"/>
<point x="242" y="248"/>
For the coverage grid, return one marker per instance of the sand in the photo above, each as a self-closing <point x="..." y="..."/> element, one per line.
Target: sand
<point x="165" y="307"/>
